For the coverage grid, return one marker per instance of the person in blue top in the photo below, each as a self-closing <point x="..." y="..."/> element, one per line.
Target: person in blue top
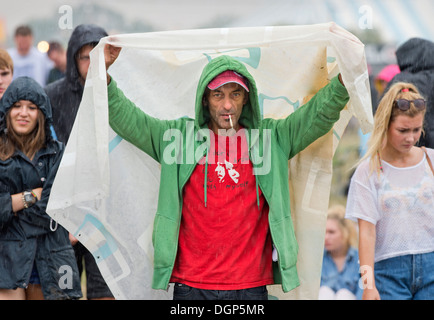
<point x="340" y="270"/>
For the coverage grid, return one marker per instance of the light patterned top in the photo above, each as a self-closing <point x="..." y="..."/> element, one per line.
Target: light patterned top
<point x="400" y="203"/>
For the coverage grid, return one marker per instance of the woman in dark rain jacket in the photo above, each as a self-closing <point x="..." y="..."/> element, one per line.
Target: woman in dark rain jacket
<point x="36" y="256"/>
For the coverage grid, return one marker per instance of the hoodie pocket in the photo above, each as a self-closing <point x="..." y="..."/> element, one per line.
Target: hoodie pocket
<point x="165" y="241"/>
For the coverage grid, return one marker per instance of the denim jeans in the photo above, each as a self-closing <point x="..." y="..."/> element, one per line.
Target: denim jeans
<point x="408" y="277"/>
<point x="184" y="292"/>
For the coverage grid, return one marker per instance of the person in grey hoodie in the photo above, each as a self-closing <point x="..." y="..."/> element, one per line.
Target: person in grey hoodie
<point x="65" y="95"/>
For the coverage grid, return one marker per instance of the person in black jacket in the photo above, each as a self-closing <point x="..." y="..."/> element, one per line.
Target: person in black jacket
<point x="65" y="95"/>
<point x="416" y="60"/>
<point x="36" y="257"/>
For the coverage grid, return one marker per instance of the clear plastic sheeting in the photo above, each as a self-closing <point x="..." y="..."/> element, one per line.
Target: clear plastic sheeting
<point x="106" y="190"/>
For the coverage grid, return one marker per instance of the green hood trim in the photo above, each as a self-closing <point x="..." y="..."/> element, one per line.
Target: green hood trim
<point x="251" y="114"/>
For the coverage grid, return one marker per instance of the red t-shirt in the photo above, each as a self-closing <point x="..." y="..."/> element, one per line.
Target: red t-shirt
<point x="227" y="244"/>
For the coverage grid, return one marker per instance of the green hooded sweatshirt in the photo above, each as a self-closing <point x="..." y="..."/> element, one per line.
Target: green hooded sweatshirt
<point x="272" y="143"/>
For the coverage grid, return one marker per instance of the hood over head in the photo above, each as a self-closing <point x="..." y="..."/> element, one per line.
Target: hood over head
<point x="82" y="35"/>
<point x="25" y="88"/>
<point x="251" y="115"/>
<point x="416" y="55"/>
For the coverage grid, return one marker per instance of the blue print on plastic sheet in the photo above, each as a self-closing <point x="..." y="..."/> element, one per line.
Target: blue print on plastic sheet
<point x="94" y="235"/>
<point x="109" y="246"/>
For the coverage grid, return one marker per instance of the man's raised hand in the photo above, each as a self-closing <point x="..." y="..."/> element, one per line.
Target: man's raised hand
<point x="111" y="53"/>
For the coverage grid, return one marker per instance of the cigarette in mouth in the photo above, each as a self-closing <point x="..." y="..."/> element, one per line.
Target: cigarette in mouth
<point x="230" y="120"/>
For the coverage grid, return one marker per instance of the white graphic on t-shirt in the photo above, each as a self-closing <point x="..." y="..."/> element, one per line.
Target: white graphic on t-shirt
<point x="221" y="172"/>
<point x="232" y="172"/>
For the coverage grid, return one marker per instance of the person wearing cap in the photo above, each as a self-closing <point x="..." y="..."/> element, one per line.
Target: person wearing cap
<point x="221" y="216"/>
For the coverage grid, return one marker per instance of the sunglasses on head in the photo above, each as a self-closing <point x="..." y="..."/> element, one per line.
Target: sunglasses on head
<point x="404" y="104"/>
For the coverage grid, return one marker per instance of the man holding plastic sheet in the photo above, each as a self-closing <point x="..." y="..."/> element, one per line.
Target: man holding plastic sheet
<point x="220" y="216"/>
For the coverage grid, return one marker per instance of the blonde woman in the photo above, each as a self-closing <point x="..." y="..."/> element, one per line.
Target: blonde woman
<point x="340" y="268"/>
<point x="391" y="197"/>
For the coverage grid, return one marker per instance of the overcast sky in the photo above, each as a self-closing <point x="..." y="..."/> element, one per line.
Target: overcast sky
<point x="397" y="20"/>
<point x="163" y="14"/>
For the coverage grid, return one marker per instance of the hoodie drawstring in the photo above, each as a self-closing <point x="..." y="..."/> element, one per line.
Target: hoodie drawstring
<point x="257" y="192"/>
<point x="205" y="178"/>
<point x="257" y="187"/>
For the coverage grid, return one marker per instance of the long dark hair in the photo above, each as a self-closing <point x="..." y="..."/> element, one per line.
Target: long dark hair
<point x="11" y="141"/>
